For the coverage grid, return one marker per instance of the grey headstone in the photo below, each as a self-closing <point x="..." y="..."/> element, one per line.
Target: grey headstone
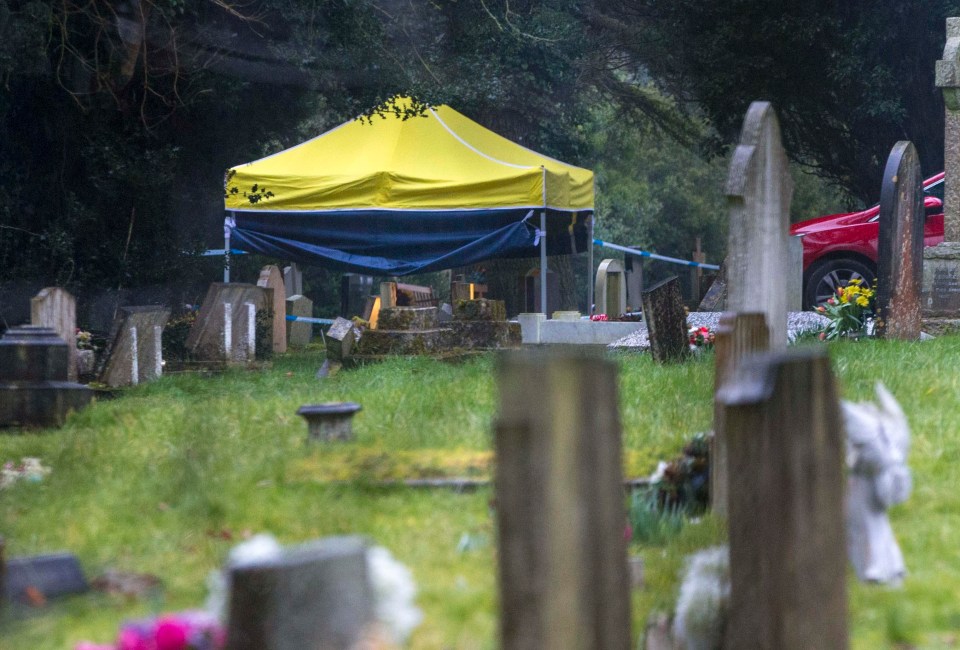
<point x="208" y="335"/>
<point x="57" y="574"/>
<point x="317" y="595"/>
<point x="759" y="189"/>
<point x="272" y="278"/>
<point x="611" y="289"/>
<point x="666" y="319"/>
<point x="55" y="307"/>
<point x="900" y="255"/>
<point x="340" y="339"/>
<point x="134" y="350"/>
<point x="292" y="280"/>
<point x="715" y="299"/>
<point x="299" y="334"/>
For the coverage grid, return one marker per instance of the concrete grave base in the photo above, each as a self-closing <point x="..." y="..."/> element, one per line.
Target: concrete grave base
<point x="940" y="286"/>
<point x="538" y="331"/>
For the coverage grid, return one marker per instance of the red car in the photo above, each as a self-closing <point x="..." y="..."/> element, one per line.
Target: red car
<point x="841" y="247"/>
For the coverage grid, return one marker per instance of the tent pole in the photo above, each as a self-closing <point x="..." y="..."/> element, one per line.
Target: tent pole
<point x="590" y="266"/>
<point x="543" y="262"/>
<point x="226" y="253"/>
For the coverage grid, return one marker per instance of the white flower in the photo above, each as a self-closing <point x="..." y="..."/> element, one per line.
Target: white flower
<point x="657" y="475"/>
<point x="394" y="592"/>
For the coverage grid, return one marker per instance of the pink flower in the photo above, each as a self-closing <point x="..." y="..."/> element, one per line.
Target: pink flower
<point x="131" y="639"/>
<point x="86" y="645"/>
<point x="171" y="633"/>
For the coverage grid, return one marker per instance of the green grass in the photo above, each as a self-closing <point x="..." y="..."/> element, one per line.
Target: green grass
<point x="151" y="481"/>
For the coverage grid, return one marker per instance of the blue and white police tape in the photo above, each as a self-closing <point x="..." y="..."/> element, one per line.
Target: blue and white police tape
<point x="654" y="256"/>
<point x="304" y="319"/>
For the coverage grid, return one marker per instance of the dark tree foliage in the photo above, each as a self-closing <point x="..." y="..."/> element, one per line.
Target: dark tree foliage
<point x="848" y="77"/>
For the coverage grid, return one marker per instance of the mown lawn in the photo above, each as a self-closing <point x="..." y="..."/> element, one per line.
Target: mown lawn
<point x="165" y="478"/>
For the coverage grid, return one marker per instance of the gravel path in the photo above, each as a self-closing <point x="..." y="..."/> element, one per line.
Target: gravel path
<point x="797" y="322"/>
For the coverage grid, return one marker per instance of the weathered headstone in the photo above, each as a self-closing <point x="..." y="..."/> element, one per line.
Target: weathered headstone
<point x="461" y="291"/>
<point x="696" y="274"/>
<point x="34" y="390"/>
<point x="317" y="595"/>
<point x="57" y="308"/>
<point x="666" y="320"/>
<point x="715" y="298"/>
<point x="737" y="336"/>
<point x="292" y="280"/>
<point x="900" y="254"/>
<point x="532" y="295"/>
<point x="633" y="271"/>
<point x="299" y="334"/>
<point x="225" y="329"/>
<point x="786" y="522"/>
<point x="759" y="189"/>
<point x="340" y="339"/>
<point x="611" y="288"/>
<point x="134" y="351"/>
<point x="354" y="291"/>
<point x="272" y="278"/>
<point x="32" y="580"/>
<point x="941" y="263"/>
<point x="564" y="581"/>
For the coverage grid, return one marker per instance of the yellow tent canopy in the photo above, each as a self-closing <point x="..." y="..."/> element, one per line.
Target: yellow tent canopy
<point x="397" y="196"/>
<point x="441" y="161"/>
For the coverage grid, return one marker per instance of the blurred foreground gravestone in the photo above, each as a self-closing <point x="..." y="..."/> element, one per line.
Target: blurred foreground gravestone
<point x="34" y="391"/>
<point x="666" y="319"/>
<point x="900" y="247"/>
<point x="737" y="336"/>
<point x="32" y="580"/>
<point x="56" y="308"/>
<point x="272" y="278"/>
<point x="759" y="189"/>
<point x="134" y="351"/>
<point x="785" y="458"/>
<point x="316" y="595"/>
<point x="564" y="581"/>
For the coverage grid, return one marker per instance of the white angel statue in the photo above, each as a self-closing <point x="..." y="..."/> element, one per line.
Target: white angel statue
<point x="878" y="439"/>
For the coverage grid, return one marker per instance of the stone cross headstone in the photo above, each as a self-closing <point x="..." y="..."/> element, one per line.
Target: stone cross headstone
<point x="299" y="334"/>
<point x="900" y="254"/>
<point x="293" y="280"/>
<point x="759" y="189"/>
<point x="696" y="273"/>
<point x="941" y="265"/>
<point x="666" y="320"/>
<point x="611" y="288"/>
<point x="316" y="595"/>
<point x="786" y="518"/>
<point x="272" y="278"/>
<point x="134" y="351"/>
<point x="564" y="581"/>
<point x="738" y="335"/>
<point x="225" y="329"/>
<point x="55" y="307"/>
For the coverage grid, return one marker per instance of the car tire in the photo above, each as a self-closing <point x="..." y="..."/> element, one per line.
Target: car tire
<point x="826" y="277"/>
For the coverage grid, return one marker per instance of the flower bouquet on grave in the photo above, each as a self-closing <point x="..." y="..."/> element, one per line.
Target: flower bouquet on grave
<point x="599" y="318"/>
<point x="190" y="630"/>
<point x="701" y="337"/>
<point x="849" y="311"/>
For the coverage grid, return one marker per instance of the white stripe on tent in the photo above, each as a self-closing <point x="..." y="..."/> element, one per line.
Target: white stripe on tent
<point x="474" y="149"/>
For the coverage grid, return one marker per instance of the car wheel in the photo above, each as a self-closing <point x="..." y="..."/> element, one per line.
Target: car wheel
<point x="824" y="280"/>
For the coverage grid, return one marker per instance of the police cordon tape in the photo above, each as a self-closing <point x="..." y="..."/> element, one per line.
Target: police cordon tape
<point x="304" y="319"/>
<point x="655" y="256"/>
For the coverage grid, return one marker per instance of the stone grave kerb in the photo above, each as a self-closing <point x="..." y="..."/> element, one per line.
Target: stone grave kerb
<point x="900" y="247"/>
<point x="759" y="190"/>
